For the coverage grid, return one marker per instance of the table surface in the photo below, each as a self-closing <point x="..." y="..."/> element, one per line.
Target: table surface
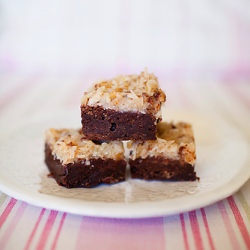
<point x="223" y="225"/>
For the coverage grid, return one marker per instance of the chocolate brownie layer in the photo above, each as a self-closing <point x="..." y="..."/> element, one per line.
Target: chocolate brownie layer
<point x="107" y="124"/>
<point x="158" y="168"/>
<point x="171" y="156"/>
<point x="122" y="108"/>
<point x="85" y="173"/>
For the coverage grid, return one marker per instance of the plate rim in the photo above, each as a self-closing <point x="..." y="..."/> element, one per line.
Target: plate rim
<point x="112" y="209"/>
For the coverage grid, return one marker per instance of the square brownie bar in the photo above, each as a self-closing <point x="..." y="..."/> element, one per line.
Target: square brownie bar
<point x="123" y="108"/>
<point x="171" y="157"/>
<point x="75" y="162"/>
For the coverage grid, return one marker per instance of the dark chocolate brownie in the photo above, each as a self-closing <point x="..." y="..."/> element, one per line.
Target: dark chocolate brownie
<point x="158" y="168"/>
<point x="75" y="162"/>
<point x="172" y="156"/>
<point x="80" y="174"/>
<point x="107" y="124"/>
<point x="123" y="108"/>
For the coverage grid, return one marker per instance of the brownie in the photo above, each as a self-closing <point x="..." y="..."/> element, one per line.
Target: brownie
<point x="171" y="157"/>
<point x="123" y="108"/>
<point x="107" y="124"/>
<point x="75" y="162"/>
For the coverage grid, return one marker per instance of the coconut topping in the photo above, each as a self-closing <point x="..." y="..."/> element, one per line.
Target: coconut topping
<point x="136" y="93"/>
<point x="68" y="146"/>
<point x="174" y="141"/>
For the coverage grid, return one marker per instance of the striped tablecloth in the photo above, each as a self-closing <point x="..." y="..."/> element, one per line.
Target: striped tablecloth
<point x="223" y="225"/>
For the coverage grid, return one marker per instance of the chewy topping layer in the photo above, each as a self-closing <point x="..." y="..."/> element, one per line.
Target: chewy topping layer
<point x="127" y="93"/>
<point x="174" y="141"/>
<point x="68" y="146"/>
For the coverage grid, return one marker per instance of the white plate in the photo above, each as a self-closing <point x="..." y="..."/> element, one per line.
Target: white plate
<point x="222" y="165"/>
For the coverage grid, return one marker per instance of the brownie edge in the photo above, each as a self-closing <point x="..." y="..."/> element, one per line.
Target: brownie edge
<point x="107" y="124"/>
<point x="85" y="173"/>
<point x="159" y="168"/>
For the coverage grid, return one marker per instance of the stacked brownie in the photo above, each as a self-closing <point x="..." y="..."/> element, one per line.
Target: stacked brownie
<point x="76" y="162"/>
<point x="125" y="108"/>
<point x="170" y="157"/>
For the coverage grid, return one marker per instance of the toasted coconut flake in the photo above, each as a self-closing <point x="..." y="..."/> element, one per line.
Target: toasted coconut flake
<point x="174" y="141"/>
<point x="68" y="146"/>
<point x="127" y="93"/>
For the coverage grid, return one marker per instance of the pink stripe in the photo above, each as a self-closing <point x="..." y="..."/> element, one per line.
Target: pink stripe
<point x="34" y="229"/>
<point x="99" y="233"/>
<point x="184" y="232"/>
<point x="12" y="226"/>
<point x="204" y="217"/>
<point x="7" y="211"/>
<point x="228" y="225"/>
<point x="58" y="231"/>
<point x="239" y="220"/>
<point x="19" y="90"/>
<point x="196" y="230"/>
<point x="46" y="230"/>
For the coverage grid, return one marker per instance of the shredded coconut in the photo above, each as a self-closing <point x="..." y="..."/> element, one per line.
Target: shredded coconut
<point x="174" y="141"/>
<point x="68" y="146"/>
<point x="127" y="93"/>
